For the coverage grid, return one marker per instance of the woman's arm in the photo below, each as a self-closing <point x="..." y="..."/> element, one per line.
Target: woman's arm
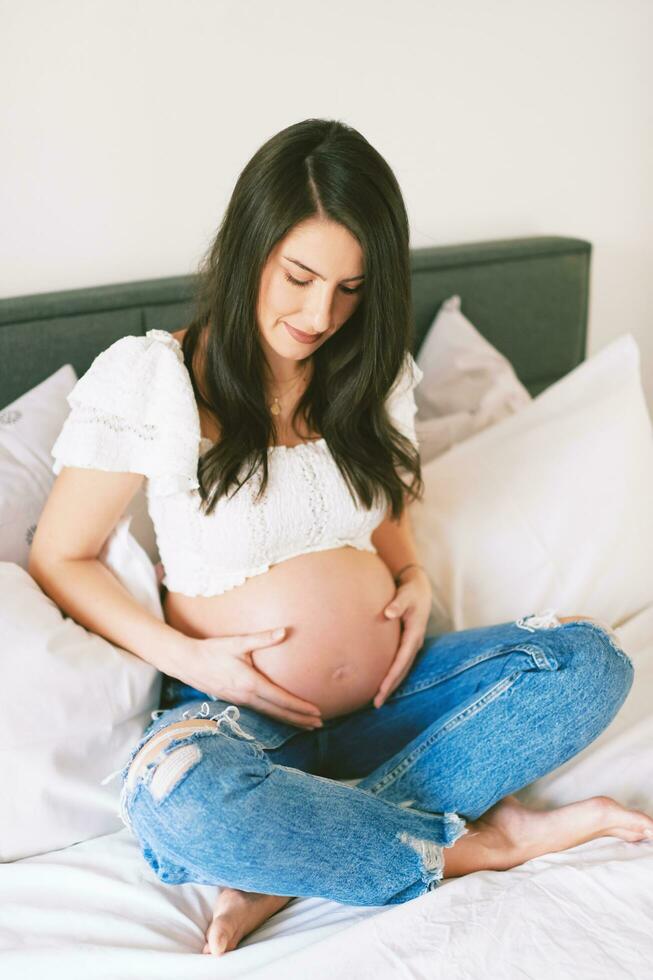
<point x="80" y="513"/>
<point x="394" y="542"/>
<point x="89" y="593"/>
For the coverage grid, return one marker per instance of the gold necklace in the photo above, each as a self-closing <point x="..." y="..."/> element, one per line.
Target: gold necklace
<point x="275" y="405"/>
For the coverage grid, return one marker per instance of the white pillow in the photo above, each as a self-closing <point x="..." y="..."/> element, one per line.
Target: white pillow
<point x="72" y="707"/>
<point x="467" y="385"/>
<point x="29" y="427"/>
<point x="551" y="507"/>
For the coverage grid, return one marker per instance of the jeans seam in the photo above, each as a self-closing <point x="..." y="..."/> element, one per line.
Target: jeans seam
<point x="538" y="654"/>
<point x="469" y="712"/>
<point x="460" y="669"/>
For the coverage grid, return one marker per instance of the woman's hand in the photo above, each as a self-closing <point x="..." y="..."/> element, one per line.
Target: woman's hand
<point x="411" y="602"/>
<point x="223" y="666"/>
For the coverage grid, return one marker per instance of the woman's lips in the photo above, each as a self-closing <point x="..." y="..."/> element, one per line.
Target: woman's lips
<point x="303" y="338"/>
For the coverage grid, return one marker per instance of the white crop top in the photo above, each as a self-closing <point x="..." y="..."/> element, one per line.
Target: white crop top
<point x="134" y="410"/>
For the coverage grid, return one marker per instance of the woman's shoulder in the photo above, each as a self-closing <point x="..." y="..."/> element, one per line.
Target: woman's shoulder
<point x="408" y="377"/>
<point x="209" y="426"/>
<point x="138" y="376"/>
<point x="134" y="410"/>
<point x="400" y="402"/>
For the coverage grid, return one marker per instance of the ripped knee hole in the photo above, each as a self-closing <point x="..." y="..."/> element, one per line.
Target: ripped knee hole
<point x="173" y="765"/>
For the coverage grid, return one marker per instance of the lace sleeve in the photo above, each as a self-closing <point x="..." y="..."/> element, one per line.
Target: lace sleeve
<point x="133" y="411"/>
<point x="400" y="403"/>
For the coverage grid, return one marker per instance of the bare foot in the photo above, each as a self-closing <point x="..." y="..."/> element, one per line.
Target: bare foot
<point x="509" y="833"/>
<point x="236" y="914"/>
<point x="506" y="835"/>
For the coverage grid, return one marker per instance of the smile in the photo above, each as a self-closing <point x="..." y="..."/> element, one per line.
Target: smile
<point x="303" y="338"/>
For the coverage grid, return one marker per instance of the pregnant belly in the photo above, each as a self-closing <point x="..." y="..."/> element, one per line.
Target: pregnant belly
<point x="338" y="644"/>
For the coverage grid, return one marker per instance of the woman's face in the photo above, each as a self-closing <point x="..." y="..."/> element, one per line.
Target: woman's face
<point x="317" y="302"/>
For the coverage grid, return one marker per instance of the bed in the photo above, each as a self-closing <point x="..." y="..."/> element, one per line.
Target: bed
<point x="95" y="908"/>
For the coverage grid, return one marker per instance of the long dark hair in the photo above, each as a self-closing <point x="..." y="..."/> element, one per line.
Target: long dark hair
<point x="316" y="168"/>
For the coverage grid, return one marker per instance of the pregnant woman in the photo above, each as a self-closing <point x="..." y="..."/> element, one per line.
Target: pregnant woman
<point x="276" y="438"/>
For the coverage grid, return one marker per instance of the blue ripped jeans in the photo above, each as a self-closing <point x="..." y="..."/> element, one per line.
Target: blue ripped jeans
<point x="255" y="803"/>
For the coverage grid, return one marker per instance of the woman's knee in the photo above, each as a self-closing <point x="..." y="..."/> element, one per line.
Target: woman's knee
<point x="187" y="766"/>
<point x="158" y="742"/>
<point x="607" y="671"/>
<point x="603" y="627"/>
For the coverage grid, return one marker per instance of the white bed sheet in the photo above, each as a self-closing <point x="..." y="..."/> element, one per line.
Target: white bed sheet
<point x="96" y="909"/>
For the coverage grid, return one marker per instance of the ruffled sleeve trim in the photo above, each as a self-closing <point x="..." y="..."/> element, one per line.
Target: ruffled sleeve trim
<point x="134" y="411"/>
<point x="400" y="403"/>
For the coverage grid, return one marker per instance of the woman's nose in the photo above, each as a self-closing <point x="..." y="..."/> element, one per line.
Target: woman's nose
<point x="320" y="313"/>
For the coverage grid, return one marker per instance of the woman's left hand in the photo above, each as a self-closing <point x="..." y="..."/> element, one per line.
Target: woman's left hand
<point x="412" y="603"/>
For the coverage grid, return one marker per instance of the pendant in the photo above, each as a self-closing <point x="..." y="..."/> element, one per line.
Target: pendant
<point x="275" y="408"/>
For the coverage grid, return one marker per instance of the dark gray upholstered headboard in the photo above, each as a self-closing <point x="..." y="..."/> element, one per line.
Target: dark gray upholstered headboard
<point x="527" y="296"/>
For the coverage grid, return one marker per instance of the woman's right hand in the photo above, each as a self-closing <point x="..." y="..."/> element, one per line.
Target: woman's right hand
<point x="223" y="666"/>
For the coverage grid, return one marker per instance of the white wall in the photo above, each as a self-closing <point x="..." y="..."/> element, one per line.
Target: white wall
<point x="126" y="122"/>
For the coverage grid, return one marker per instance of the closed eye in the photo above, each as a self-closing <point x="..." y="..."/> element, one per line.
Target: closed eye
<point x="307" y="282"/>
